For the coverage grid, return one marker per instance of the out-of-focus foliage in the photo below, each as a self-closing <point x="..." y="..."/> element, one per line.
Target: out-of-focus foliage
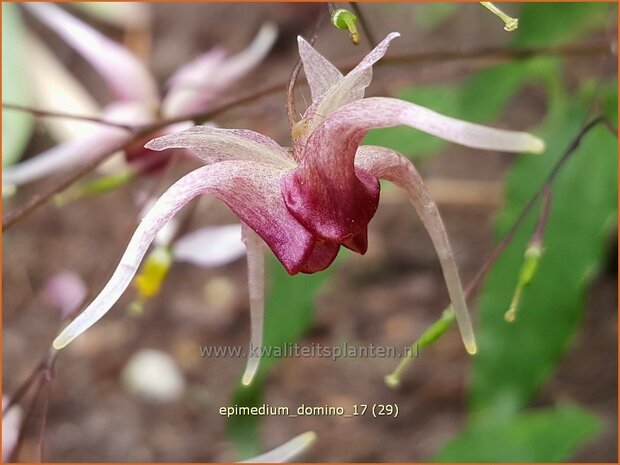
<point x="547" y="436"/>
<point x="16" y="126"/>
<point x="289" y="309"/>
<point x="515" y="360"/>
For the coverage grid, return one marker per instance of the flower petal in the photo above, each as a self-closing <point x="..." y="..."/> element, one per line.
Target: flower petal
<point x="214" y="145"/>
<point x="288" y="451"/>
<point x="11" y="425"/>
<point x="347" y="90"/>
<point x="390" y="165"/>
<point x="353" y="120"/>
<point x="256" y="284"/>
<point x="124" y="73"/>
<point x="251" y="190"/>
<point x="194" y="86"/>
<point x="210" y="246"/>
<point x="79" y="151"/>
<point x="321" y="74"/>
<point x="55" y="87"/>
<point x="323" y="254"/>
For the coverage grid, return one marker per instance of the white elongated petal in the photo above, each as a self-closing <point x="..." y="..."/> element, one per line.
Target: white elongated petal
<point x="354" y="119"/>
<point x="56" y="88"/>
<point x="124" y="73"/>
<point x="210" y="246"/>
<point x="251" y="190"/>
<point x="321" y="74"/>
<point x="64" y="156"/>
<point x="195" y="85"/>
<point x="79" y="151"/>
<point x="215" y="145"/>
<point x="387" y="164"/>
<point x="288" y="451"/>
<point x="256" y="284"/>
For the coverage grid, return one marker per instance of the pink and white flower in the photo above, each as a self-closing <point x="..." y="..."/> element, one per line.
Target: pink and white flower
<point x="306" y="204"/>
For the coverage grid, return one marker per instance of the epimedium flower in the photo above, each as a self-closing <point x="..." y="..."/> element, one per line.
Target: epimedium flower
<point x="307" y="203"/>
<point x="136" y="98"/>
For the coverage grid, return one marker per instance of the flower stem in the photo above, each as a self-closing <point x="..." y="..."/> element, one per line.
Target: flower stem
<point x="510" y="24"/>
<point x="434" y="332"/>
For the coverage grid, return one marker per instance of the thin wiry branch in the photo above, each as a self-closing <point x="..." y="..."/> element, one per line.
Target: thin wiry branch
<point x="59" y="114"/>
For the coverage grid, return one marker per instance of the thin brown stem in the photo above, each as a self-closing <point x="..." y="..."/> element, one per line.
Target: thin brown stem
<point x="471" y="289"/>
<point x="60" y="114"/>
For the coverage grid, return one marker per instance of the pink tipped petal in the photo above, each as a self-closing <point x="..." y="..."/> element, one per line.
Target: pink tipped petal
<point x="65" y="290"/>
<point x="379" y="112"/>
<point x="288" y="451"/>
<point x="124" y="73"/>
<point x="387" y="164"/>
<point x="210" y="247"/>
<point x="214" y="145"/>
<point x="256" y="284"/>
<point x="249" y="189"/>
<point x="194" y="86"/>
<point x="321" y="74"/>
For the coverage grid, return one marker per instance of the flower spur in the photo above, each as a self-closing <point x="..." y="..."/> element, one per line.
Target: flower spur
<point x="306" y="204"/>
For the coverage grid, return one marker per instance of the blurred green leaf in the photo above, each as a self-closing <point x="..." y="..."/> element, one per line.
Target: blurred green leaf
<point x="288" y="314"/>
<point x="515" y="359"/>
<point x="430" y="15"/>
<point x="548" y="24"/>
<point x="415" y="144"/>
<point x="16" y="125"/>
<point x="550" y="435"/>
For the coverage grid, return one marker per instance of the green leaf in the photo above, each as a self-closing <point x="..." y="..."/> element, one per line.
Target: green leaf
<point x="415" y="144"/>
<point x="288" y="314"/>
<point x="515" y="359"/>
<point x="550" y="435"/>
<point x="546" y="24"/>
<point x="16" y="126"/>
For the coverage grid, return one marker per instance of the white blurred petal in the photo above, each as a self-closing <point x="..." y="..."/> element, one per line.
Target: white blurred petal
<point x="154" y="376"/>
<point x="78" y="151"/>
<point x="194" y="86"/>
<point x="11" y="424"/>
<point x="124" y="73"/>
<point x="288" y="451"/>
<point x="56" y="89"/>
<point x="210" y="247"/>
